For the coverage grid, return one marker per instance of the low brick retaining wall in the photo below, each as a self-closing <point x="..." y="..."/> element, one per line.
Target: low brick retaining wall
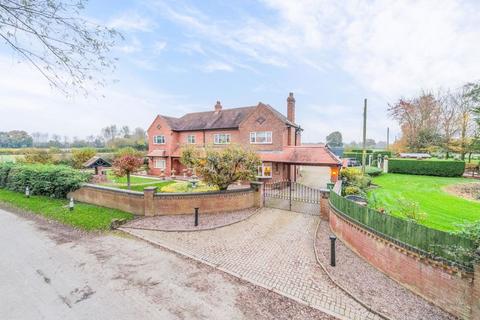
<point x="151" y="203"/>
<point x="454" y="290"/>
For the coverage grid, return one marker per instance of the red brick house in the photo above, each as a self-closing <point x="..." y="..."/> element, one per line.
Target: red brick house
<point x="276" y="138"/>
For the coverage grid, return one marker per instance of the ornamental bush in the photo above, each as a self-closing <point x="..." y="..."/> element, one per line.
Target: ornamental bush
<point x="47" y="180"/>
<point x="441" y="168"/>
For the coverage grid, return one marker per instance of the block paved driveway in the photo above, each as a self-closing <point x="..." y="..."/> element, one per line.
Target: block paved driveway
<point x="273" y="249"/>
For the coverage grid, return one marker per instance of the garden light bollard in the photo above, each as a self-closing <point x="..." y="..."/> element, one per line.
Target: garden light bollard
<point x="27" y="192"/>
<point x="196" y="217"/>
<point x="332" y="250"/>
<point x="71" y="205"/>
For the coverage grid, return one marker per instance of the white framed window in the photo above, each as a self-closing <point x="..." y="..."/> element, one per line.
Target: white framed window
<point x="261" y="137"/>
<point x="159" y="163"/>
<point x="221" y="138"/>
<point x="159" y="139"/>
<point x="265" y="170"/>
<point x="191" y="139"/>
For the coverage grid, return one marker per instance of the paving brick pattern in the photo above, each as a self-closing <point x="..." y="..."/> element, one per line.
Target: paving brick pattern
<point x="274" y="249"/>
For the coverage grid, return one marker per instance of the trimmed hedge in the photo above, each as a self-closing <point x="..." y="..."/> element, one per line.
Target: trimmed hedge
<point x="441" y="168"/>
<point x="46" y="180"/>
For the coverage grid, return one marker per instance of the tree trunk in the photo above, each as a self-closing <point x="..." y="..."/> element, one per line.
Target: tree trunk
<point x="128" y="181"/>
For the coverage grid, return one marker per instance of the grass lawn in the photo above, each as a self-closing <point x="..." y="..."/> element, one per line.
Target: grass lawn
<point x="133" y="179"/>
<point x="443" y="210"/>
<point x="84" y="216"/>
<point x="140" y="187"/>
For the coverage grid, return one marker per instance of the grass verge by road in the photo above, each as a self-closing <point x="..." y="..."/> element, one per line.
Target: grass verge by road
<point x="84" y="216"/>
<point x="443" y="210"/>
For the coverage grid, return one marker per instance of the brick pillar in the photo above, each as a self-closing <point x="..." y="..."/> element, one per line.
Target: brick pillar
<point x="149" y="205"/>
<point x="476" y="289"/>
<point x="324" y="206"/>
<point x="258" y="196"/>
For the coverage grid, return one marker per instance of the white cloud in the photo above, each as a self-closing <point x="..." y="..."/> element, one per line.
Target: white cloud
<point x="29" y="103"/>
<point x="159" y="46"/>
<point x="213" y="66"/>
<point x="391" y="48"/>
<point x="132" y="22"/>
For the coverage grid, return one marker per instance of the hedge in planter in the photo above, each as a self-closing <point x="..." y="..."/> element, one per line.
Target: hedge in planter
<point x="441" y="168"/>
<point x="46" y="180"/>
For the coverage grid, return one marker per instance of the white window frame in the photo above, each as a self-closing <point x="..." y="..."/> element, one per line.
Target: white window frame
<point x="217" y="140"/>
<point x="261" y="170"/>
<point x="156" y="138"/>
<point x="190" y="140"/>
<point x="268" y="136"/>
<point x="155" y="163"/>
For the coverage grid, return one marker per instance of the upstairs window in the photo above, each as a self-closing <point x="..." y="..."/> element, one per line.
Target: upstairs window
<point x="159" y="139"/>
<point x="221" y="138"/>
<point x="191" y="139"/>
<point x="261" y="137"/>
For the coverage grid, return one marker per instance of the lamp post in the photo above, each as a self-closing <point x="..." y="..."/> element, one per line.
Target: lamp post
<point x="332" y="250"/>
<point x="71" y="205"/>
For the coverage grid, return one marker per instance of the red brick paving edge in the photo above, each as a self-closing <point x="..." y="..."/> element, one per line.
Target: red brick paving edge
<point x="236" y="275"/>
<point x="193" y="230"/>
<point x="361" y="302"/>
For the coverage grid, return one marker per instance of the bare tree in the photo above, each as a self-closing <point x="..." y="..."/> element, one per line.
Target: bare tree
<point x="449" y="119"/>
<point x="418" y="119"/>
<point x="71" y="52"/>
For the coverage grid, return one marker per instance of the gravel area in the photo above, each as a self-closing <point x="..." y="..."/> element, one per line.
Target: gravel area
<point x="185" y="222"/>
<point x="370" y="285"/>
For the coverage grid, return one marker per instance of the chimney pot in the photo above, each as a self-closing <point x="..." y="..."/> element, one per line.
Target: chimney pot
<point x="218" y="106"/>
<point x="291" y="107"/>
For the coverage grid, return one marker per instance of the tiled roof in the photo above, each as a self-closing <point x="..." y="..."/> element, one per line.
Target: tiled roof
<point x="302" y="155"/>
<point x="224" y="119"/>
<point x="96" y="161"/>
<point x="157" y="153"/>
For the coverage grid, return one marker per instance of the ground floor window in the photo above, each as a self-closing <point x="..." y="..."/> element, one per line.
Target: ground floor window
<point x="221" y="138"/>
<point x="265" y="170"/>
<point x="159" y="163"/>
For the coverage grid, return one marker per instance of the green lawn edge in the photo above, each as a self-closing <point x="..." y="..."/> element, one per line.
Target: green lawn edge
<point x="86" y="217"/>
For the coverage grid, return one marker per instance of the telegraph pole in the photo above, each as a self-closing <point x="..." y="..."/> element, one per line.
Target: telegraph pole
<point x="364" y="146"/>
<point x="388" y="138"/>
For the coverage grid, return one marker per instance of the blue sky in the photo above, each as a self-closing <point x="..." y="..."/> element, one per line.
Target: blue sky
<point x="182" y="56"/>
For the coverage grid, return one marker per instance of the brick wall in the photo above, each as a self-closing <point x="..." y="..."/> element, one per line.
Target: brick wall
<point x="449" y="288"/>
<point x="129" y="201"/>
<point x="151" y="203"/>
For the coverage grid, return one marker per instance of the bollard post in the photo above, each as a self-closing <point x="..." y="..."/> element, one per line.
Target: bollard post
<point x="332" y="250"/>
<point x="196" y="217"/>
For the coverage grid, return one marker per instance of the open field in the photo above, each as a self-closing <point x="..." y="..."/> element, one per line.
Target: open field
<point x="84" y="216"/>
<point x="443" y="210"/>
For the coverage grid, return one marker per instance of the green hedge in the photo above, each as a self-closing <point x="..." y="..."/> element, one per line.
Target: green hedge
<point x="441" y="168"/>
<point x="47" y="180"/>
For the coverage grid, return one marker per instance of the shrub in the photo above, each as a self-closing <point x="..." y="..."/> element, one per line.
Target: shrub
<point x="222" y="167"/>
<point x="441" y="168"/>
<point x="411" y="210"/>
<point x="352" y="190"/>
<point x="38" y="156"/>
<point x="80" y="156"/>
<point x="4" y="171"/>
<point x="373" y="171"/>
<point x="47" y="180"/>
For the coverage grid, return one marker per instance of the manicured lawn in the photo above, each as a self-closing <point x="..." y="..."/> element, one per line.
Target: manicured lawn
<point x="443" y="210"/>
<point x="133" y="180"/>
<point x="84" y="216"/>
<point x="140" y="187"/>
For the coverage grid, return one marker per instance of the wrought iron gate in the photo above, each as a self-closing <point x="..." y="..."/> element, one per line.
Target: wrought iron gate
<point x="293" y="196"/>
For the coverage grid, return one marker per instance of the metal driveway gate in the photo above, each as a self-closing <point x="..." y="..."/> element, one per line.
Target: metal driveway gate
<point x="293" y="196"/>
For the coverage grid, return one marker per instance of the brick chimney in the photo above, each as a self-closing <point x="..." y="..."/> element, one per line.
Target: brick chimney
<point x="291" y="107"/>
<point x="218" y="107"/>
